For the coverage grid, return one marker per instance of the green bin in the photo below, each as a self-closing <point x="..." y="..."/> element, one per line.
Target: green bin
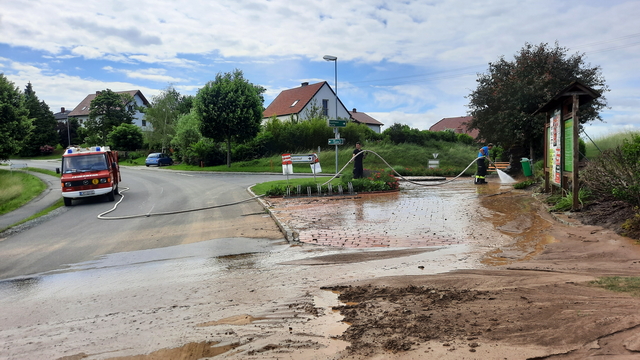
<point x="526" y="167"/>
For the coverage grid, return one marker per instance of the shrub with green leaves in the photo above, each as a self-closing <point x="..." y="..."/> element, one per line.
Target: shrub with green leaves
<point x="616" y="173"/>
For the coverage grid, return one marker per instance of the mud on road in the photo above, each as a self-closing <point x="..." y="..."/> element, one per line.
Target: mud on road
<point x="540" y="306"/>
<point x="526" y="294"/>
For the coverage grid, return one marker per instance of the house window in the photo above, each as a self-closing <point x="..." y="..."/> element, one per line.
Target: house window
<point x="325" y="107"/>
<point x="294" y="103"/>
<point x="144" y="122"/>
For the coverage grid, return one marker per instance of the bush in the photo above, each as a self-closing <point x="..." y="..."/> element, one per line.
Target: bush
<point x="564" y="203"/>
<point x="616" y="173"/>
<point x="205" y="151"/>
<point x="376" y="180"/>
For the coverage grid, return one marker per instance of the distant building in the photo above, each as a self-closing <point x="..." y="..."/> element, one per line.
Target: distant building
<point x="458" y="124"/>
<point x="362" y="118"/>
<point x="81" y="112"/>
<point x="302" y="102"/>
<point x="62" y="116"/>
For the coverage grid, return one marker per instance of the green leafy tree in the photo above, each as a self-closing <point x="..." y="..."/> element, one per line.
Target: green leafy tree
<point x="72" y="133"/>
<point x="163" y="114"/>
<point x="511" y="91"/>
<point x="43" y="121"/>
<point x="107" y="111"/>
<point x="187" y="133"/>
<point x="127" y="137"/>
<point x="15" y="125"/>
<point x="230" y="108"/>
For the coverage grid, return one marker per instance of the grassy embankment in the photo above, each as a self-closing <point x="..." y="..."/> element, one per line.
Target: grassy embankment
<point x="453" y="156"/>
<point x="17" y="188"/>
<point x="606" y="142"/>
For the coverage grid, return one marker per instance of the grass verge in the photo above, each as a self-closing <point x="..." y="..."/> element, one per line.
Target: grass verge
<point x="18" y="188"/>
<point x="262" y="188"/>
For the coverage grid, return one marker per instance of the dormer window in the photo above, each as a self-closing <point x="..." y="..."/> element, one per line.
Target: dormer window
<point x="294" y="103"/>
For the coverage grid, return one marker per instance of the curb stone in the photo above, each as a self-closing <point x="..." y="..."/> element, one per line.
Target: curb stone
<point x="289" y="235"/>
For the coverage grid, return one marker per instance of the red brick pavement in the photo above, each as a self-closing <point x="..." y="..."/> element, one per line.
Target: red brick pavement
<point x="416" y="216"/>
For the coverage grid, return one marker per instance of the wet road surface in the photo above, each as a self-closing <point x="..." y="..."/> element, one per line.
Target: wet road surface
<point x="232" y="298"/>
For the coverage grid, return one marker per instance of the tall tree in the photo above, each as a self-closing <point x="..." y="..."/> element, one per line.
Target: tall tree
<point x="127" y="137"/>
<point x="68" y="134"/>
<point x="511" y="91"/>
<point x="230" y="108"/>
<point x="43" y="121"/>
<point x="14" y="119"/>
<point x="163" y="114"/>
<point x="107" y="111"/>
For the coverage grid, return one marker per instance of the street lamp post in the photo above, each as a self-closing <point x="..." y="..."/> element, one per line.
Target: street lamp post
<point x="335" y="129"/>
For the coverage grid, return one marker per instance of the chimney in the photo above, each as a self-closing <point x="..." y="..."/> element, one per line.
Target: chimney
<point x="305" y="83"/>
<point x="97" y="93"/>
<point x="354" y="110"/>
<point x="62" y="110"/>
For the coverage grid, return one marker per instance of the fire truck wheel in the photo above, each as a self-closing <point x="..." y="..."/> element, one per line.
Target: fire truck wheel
<point x="67" y="202"/>
<point x="110" y="196"/>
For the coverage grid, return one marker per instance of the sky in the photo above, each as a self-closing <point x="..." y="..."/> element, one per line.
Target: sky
<point x="412" y="62"/>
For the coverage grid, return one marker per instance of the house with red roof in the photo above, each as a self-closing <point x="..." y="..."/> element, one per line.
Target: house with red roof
<point x="305" y="101"/>
<point x="458" y="124"/>
<point x="81" y="112"/>
<point x="363" y="118"/>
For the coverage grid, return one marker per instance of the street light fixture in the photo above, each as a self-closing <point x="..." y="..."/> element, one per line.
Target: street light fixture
<point x="335" y="130"/>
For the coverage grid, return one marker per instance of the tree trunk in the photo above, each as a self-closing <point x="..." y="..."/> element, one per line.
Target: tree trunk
<point x="229" y="152"/>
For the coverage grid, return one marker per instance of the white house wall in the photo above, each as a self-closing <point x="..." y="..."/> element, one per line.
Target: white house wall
<point x="139" y="116"/>
<point x="326" y="93"/>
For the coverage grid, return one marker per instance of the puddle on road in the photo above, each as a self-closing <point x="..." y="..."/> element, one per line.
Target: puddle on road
<point x="515" y="215"/>
<point x="424" y="216"/>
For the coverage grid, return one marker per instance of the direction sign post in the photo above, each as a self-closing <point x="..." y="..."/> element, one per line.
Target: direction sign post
<point x="337" y="123"/>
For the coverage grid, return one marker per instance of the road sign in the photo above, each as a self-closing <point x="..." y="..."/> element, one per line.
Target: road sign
<point x="304" y="158"/>
<point x="337" y="123"/>
<point x="336" y="141"/>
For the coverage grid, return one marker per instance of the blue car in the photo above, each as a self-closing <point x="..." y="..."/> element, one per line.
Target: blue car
<point x="158" y="159"/>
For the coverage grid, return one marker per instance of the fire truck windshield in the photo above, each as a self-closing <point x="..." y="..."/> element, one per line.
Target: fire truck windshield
<point x="84" y="163"/>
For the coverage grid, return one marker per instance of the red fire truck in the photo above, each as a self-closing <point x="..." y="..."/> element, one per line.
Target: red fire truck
<point x="91" y="171"/>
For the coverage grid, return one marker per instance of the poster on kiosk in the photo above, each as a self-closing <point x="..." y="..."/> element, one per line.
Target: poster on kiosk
<point x="555" y="147"/>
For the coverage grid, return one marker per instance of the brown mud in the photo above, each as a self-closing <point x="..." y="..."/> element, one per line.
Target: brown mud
<point x="542" y="306"/>
<point x="522" y="291"/>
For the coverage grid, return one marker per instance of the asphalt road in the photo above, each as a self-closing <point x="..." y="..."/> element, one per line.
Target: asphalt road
<point x="77" y="235"/>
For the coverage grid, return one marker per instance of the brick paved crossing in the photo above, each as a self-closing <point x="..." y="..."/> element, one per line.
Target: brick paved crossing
<point x="417" y="216"/>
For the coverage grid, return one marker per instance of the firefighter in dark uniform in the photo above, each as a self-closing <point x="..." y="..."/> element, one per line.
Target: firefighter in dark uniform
<point x="483" y="162"/>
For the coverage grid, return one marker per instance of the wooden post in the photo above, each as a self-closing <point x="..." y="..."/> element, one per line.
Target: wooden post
<point x="576" y="152"/>
<point x="546" y="165"/>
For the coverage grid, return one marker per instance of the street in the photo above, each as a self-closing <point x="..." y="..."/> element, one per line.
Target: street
<point x="77" y="235"/>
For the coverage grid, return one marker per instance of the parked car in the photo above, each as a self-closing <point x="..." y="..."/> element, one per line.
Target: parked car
<point x="158" y="159"/>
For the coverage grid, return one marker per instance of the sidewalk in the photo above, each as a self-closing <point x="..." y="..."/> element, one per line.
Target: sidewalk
<point x="48" y="197"/>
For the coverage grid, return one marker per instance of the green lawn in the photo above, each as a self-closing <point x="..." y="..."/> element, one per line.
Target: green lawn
<point x="18" y="188"/>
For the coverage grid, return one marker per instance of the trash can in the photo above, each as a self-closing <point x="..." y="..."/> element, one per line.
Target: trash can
<point x="526" y="166"/>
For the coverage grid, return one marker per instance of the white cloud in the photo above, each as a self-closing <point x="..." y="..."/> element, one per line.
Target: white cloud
<point x="87" y="52"/>
<point x="60" y="90"/>
<point x="446" y="42"/>
<point x="156" y="74"/>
